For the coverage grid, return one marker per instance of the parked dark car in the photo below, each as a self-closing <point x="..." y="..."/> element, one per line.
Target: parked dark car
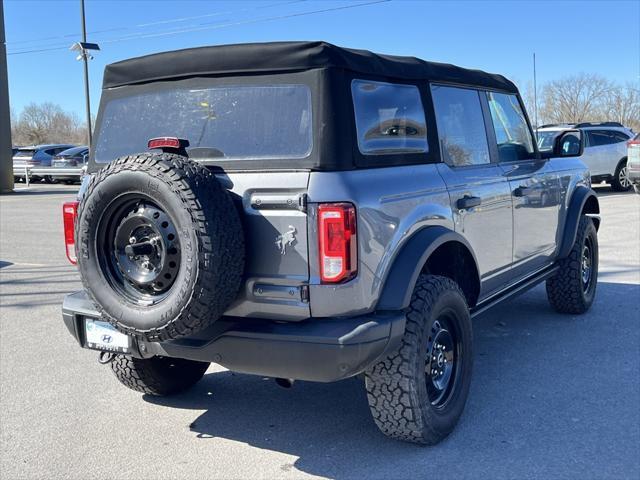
<point x="36" y="156"/>
<point x="75" y="157"/>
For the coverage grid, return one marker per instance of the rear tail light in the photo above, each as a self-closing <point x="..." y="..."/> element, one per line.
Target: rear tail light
<point x="338" y="243"/>
<point x="633" y="142"/>
<point x="69" y="215"/>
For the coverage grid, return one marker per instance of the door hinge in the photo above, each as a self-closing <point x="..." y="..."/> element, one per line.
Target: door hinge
<point x="302" y="202"/>
<point x="304" y="293"/>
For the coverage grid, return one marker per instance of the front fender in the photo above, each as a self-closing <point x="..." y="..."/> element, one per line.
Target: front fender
<point x="408" y="263"/>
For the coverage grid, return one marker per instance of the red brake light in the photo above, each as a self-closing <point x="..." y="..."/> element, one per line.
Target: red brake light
<point x="69" y="215"/>
<point x="164" y="142"/>
<point x="337" y="242"/>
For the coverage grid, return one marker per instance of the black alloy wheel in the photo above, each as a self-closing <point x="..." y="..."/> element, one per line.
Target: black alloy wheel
<point x="139" y="249"/>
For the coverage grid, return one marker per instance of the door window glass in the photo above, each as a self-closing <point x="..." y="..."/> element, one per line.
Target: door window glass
<point x="597" y="138"/>
<point x="510" y="125"/>
<point x="460" y="122"/>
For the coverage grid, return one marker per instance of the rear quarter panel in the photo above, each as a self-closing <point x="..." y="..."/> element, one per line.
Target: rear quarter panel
<point x="391" y="204"/>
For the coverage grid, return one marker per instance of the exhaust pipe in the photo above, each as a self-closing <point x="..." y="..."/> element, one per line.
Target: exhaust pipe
<point x="285" y="382"/>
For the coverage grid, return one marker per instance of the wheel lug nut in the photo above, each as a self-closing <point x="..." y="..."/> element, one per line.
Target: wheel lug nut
<point x="132" y="240"/>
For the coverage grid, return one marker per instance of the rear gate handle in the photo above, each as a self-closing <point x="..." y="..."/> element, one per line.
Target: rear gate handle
<point x="467" y="202"/>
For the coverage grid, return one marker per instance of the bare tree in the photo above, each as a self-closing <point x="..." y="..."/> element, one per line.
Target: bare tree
<point x="577" y="98"/>
<point x="622" y="105"/>
<point x="47" y="123"/>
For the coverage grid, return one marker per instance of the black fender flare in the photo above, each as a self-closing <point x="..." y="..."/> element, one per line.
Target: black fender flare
<point x="581" y="196"/>
<point x="408" y="263"/>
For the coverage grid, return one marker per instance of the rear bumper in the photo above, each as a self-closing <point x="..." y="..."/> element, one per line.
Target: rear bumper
<point x="318" y="349"/>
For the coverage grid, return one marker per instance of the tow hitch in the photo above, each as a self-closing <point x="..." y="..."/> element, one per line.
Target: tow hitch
<point x="106" y="357"/>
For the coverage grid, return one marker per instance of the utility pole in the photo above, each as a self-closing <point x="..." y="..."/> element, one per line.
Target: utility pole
<point x="86" y="73"/>
<point x="6" y="157"/>
<point x="535" y="93"/>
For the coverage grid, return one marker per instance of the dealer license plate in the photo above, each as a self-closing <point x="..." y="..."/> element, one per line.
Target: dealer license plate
<point x="103" y="336"/>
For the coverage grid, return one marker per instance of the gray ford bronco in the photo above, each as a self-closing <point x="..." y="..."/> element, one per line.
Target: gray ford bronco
<point x="308" y="212"/>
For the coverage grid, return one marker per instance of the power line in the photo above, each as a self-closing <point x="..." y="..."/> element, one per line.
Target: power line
<point x="210" y="27"/>
<point x="150" y="24"/>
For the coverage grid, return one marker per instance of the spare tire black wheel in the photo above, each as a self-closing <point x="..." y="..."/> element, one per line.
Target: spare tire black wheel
<point x="160" y="246"/>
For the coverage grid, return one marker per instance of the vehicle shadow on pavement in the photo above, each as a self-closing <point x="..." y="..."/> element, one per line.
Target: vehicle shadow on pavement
<point x="552" y="395"/>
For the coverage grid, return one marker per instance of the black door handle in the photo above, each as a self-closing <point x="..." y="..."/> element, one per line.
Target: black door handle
<point x="523" y="191"/>
<point x="468" y="202"/>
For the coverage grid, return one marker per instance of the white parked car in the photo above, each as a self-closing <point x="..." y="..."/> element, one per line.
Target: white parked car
<point x="633" y="162"/>
<point x="605" y="149"/>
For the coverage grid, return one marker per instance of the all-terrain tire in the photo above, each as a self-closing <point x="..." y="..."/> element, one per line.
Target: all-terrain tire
<point x="157" y="375"/>
<point x="396" y="387"/>
<point x="617" y="180"/>
<point x="568" y="290"/>
<point x="208" y="266"/>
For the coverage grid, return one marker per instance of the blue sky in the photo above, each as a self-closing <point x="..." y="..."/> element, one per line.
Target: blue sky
<point x="498" y="36"/>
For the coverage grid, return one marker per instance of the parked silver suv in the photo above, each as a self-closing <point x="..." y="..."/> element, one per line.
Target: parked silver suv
<point x="605" y="150"/>
<point x="303" y="211"/>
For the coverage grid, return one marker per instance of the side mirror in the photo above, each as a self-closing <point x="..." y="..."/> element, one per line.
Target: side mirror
<point x="569" y="143"/>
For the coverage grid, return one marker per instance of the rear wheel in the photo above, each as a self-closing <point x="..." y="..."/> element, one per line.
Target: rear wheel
<point x="573" y="288"/>
<point x="157" y="375"/>
<point x="418" y="393"/>
<point x="620" y="182"/>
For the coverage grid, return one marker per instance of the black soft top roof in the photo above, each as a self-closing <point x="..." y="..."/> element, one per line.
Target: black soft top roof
<point x="289" y="56"/>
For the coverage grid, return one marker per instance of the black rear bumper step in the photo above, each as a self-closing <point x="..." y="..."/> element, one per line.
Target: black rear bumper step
<point x="318" y="349"/>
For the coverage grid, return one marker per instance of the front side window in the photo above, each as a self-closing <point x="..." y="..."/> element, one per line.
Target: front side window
<point x="510" y="125"/>
<point x="389" y="118"/>
<point x="463" y="138"/>
<point x="232" y="122"/>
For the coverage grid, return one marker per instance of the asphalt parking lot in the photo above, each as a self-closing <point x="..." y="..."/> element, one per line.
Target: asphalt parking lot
<point x="552" y="396"/>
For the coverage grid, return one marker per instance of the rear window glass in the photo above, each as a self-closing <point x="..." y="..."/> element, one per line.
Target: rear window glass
<point x="389" y="118"/>
<point x="226" y="122"/>
<point x="24" y="153"/>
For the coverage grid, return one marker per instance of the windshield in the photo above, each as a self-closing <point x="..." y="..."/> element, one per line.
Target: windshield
<point x="225" y="122"/>
<point x="545" y="140"/>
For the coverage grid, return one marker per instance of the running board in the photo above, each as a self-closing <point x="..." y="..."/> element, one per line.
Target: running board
<point x="514" y="291"/>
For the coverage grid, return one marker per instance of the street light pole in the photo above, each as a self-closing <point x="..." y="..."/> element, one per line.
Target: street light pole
<point x="85" y="60"/>
<point x="6" y="162"/>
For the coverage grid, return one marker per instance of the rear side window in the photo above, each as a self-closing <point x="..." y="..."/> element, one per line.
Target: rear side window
<point x="463" y="138"/>
<point x="389" y="118"/>
<point x="510" y="125"/>
<point x="597" y="138"/>
<point x="620" y="137"/>
<point x="230" y="122"/>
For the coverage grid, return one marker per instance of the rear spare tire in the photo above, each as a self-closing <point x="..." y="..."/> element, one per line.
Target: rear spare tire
<point x="160" y="245"/>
